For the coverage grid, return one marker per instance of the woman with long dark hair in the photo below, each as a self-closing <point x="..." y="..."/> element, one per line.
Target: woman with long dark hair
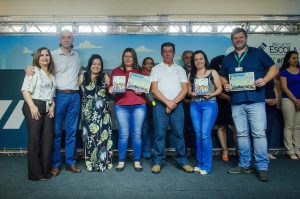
<point x="204" y="108"/>
<point x="130" y="111"/>
<point x="38" y="91"/>
<point x="290" y="84"/>
<point x="96" y="116"/>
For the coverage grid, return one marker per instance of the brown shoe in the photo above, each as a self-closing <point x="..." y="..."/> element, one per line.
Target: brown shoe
<point x="54" y="171"/>
<point x="187" y="168"/>
<point x="155" y="169"/>
<point x="73" y="168"/>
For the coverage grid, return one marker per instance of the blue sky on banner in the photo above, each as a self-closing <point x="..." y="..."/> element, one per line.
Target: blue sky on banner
<point x="16" y="51"/>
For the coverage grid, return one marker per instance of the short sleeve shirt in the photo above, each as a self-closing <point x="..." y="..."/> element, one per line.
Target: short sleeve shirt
<point x="293" y="83"/>
<point x="39" y="85"/>
<point x="169" y="79"/>
<point x="257" y="61"/>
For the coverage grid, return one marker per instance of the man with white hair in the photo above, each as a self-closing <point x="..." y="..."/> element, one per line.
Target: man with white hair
<point x="67" y="102"/>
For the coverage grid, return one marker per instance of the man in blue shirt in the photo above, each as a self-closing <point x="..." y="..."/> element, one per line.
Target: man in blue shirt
<point x="248" y="106"/>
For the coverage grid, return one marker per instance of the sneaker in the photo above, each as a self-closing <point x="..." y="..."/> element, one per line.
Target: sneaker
<point x="155" y="169"/>
<point x="187" y="168"/>
<point x="240" y="170"/>
<point x="263" y="176"/>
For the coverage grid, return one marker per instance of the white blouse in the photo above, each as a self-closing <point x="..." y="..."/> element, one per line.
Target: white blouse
<point x="39" y="85"/>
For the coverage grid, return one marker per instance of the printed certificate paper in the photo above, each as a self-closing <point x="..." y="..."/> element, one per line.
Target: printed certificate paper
<point x="201" y="86"/>
<point x="139" y="82"/>
<point x="242" y="81"/>
<point x="119" y="83"/>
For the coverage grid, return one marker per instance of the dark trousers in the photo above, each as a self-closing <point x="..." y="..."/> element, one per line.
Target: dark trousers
<point x="40" y="133"/>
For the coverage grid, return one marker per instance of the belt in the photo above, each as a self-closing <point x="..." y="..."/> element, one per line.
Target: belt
<point x="66" y="91"/>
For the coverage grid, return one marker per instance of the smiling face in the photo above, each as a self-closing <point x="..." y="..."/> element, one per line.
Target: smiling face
<point x="199" y="61"/>
<point x="239" y="41"/>
<point x="294" y="59"/>
<point x="96" y="66"/>
<point x="44" y="58"/>
<point x="128" y="59"/>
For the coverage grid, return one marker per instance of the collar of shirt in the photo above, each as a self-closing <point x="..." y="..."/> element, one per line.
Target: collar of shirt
<point x="60" y="52"/>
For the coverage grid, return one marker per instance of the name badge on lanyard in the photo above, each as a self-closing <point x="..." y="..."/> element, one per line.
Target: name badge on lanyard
<point x="238" y="69"/>
<point x="239" y="60"/>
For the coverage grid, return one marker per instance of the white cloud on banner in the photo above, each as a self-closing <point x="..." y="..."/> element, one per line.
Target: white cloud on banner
<point x="87" y="44"/>
<point x="142" y="48"/>
<point x="26" y="51"/>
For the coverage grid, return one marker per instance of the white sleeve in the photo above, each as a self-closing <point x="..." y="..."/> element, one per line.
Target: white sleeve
<point x="183" y="77"/>
<point x="154" y="75"/>
<point x="29" y="83"/>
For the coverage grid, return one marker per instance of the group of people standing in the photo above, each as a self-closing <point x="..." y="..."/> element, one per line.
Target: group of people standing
<point x="51" y="92"/>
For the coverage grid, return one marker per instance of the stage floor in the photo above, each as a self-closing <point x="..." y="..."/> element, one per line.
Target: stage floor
<point x="170" y="183"/>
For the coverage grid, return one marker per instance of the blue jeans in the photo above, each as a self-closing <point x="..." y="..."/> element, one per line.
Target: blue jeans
<point x="204" y="115"/>
<point x="130" y="119"/>
<point x="254" y="115"/>
<point x="147" y="134"/>
<point x="67" y="108"/>
<point x="161" y="121"/>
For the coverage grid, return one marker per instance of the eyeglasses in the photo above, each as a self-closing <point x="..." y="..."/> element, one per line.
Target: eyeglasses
<point x="168" y="52"/>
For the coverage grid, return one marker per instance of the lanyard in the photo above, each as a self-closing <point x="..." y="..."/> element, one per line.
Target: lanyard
<point x="240" y="59"/>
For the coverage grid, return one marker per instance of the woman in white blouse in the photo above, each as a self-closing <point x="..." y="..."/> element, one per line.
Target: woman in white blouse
<point x="38" y="91"/>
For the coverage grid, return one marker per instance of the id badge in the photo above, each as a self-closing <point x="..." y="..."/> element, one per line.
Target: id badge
<point x="238" y="69"/>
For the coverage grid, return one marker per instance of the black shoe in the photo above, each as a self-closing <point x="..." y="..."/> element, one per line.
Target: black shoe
<point x="119" y="169"/>
<point x="138" y="169"/>
<point x="240" y="170"/>
<point x="263" y="176"/>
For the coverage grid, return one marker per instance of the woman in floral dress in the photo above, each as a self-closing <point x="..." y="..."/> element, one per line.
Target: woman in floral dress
<point x="96" y="116"/>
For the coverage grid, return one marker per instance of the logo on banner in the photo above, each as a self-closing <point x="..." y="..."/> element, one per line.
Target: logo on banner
<point x="277" y="50"/>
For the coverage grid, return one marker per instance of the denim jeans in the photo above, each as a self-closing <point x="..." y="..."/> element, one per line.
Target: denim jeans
<point x="253" y="114"/>
<point x="204" y="115"/>
<point x="130" y="119"/>
<point x="161" y="121"/>
<point x="67" y="108"/>
<point x="147" y="134"/>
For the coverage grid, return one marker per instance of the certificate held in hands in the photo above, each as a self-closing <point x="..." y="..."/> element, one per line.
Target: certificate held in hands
<point x="138" y="82"/>
<point x="242" y="81"/>
<point x="201" y="86"/>
<point x="119" y="84"/>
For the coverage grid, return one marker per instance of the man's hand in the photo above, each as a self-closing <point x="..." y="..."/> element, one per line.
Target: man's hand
<point x="168" y="110"/>
<point x="171" y="104"/>
<point x="29" y="70"/>
<point x="260" y="82"/>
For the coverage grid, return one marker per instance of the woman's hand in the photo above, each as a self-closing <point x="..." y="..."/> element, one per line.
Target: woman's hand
<point x="137" y="92"/>
<point x="51" y="111"/>
<point x="35" y="112"/>
<point x="110" y="89"/>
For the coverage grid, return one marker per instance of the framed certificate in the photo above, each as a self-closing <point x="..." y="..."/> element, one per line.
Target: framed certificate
<point x="201" y="86"/>
<point x="242" y="81"/>
<point x="119" y="84"/>
<point x="139" y="82"/>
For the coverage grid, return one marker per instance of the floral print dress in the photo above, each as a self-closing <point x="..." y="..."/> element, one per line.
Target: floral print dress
<point x="97" y="127"/>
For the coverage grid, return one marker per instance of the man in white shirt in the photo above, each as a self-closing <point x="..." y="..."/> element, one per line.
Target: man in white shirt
<point x="169" y="87"/>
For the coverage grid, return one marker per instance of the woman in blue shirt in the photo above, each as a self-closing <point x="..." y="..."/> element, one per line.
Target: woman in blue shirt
<point x="290" y="84"/>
